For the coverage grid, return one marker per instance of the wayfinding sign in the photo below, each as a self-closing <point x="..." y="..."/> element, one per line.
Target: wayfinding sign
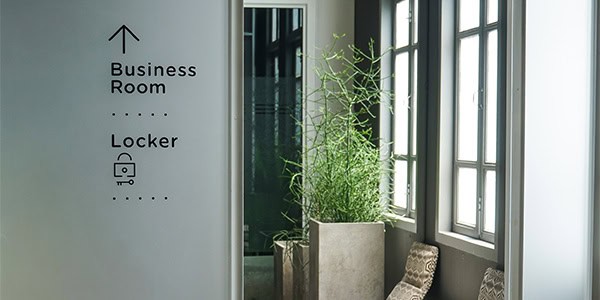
<point x="114" y="150"/>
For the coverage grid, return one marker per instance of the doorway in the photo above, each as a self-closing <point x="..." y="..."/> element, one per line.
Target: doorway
<point x="273" y="84"/>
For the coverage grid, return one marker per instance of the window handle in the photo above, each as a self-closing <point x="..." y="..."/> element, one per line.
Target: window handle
<point x="482" y="97"/>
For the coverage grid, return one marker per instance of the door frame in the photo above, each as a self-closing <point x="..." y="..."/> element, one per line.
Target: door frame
<point x="308" y="79"/>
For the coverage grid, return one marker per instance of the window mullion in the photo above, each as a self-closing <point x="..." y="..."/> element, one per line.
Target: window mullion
<point x="409" y="119"/>
<point x="410" y="22"/>
<point x="488" y="167"/>
<point x="466" y="164"/>
<point x="410" y="93"/>
<point x="481" y="116"/>
<point x="467" y="33"/>
<point x="407" y="48"/>
<point x="409" y="156"/>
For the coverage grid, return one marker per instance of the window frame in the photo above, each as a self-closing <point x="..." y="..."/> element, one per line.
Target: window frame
<point x="411" y="48"/>
<point x="440" y="132"/>
<point x="435" y="129"/>
<point x="482" y="31"/>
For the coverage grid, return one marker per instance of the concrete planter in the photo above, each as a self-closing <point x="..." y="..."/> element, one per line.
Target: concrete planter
<point x="300" y="268"/>
<point x="346" y="261"/>
<point x="282" y="256"/>
<point x="291" y="270"/>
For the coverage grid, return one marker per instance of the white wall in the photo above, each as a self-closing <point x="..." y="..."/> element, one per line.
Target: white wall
<point x="331" y="17"/>
<point x="334" y="16"/>
<point x="558" y="150"/>
<point x="63" y="237"/>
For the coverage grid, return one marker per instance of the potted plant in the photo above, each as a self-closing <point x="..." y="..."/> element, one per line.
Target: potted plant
<point x="338" y="184"/>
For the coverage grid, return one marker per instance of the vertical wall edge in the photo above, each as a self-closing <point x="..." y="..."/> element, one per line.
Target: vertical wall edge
<point x="235" y="148"/>
<point x="514" y="156"/>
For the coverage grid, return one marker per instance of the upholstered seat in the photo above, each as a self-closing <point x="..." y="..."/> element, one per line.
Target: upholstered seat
<point x="492" y="285"/>
<point x="406" y="291"/>
<point x="419" y="271"/>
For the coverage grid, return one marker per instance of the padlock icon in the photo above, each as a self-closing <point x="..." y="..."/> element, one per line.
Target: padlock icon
<point x="124" y="167"/>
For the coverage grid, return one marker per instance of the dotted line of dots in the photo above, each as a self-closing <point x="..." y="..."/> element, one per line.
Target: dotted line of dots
<point x="139" y="114"/>
<point x="140" y="198"/>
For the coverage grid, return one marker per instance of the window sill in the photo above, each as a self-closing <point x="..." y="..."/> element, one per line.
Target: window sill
<point x="467" y="244"/>
<point x="406" y="223"/>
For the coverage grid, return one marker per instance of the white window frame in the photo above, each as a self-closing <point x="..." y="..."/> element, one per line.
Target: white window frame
<point x="408" y="213"/>
<point x="441" y="119"/>
<point x="482" y="30"/>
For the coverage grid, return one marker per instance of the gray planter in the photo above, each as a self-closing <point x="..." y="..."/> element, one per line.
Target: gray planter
<point x="291" y="270"/>
<point x="301" y="271"/>
<point x="283" y="270"/>
<point x="346" y="261"/>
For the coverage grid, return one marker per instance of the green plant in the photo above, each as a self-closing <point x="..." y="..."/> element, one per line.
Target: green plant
<point x="339" y="178"/>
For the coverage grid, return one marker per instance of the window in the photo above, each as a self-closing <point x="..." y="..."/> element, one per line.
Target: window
<point x="405" y="106"/>
<point x="476" y="119"/>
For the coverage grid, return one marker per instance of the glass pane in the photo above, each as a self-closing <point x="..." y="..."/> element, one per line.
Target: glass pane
<point x="400" y="183"/>
<point x="469" y="14"/>
<point x="276" y="69"/>
<point x="491" y="97"/>
<point x="492" y="11"/>
<point x="413" y="186"/>
<point x="298" y="62"/>
<point x="295" y="19"/>
<point x="415" y="22"/>
<point x="489" y="223"/>
<point x="466" y="196"/>
<point x="468" y="82"/>
<point x="413" y="107"/>
<point x="401" y="105"/>
<point x="274" y="24"/>
<point x="402" y="23"/>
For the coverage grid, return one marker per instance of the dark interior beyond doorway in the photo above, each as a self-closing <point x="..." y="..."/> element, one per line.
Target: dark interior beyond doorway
<point x="272" y="108"/>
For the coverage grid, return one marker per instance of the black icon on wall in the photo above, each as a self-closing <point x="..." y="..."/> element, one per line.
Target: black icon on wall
<point x="124" y="169"/>
<point x="123" y="30"/>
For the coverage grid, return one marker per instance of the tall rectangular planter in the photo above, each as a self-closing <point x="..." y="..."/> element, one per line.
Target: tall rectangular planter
<point x="283" y="270"/>
<point x="301" y="271"/>
<point x="346" y="261"/>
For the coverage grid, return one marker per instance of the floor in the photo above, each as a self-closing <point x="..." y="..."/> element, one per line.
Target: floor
<point x="258" y="278"/>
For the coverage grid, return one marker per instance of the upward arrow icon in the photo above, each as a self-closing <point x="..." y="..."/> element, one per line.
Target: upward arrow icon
<point x="123" y="29"/>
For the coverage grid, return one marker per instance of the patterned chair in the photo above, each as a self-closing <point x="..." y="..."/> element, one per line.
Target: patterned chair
<point x="492" y="286"/>
<point x="419" y="271"/>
